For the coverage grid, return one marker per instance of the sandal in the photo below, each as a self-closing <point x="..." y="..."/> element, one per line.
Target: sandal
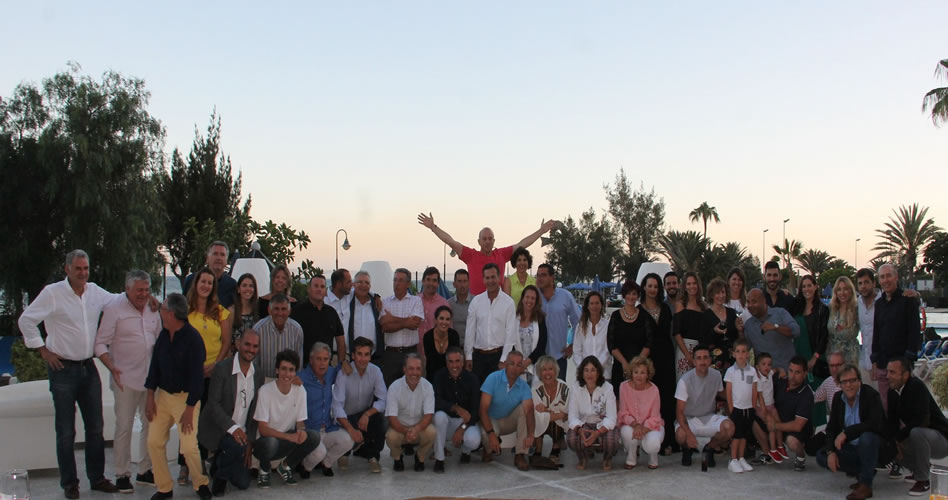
<point x="628" y="466"/>
<point x="581" y="465"/>
<point x="607" y="464"/>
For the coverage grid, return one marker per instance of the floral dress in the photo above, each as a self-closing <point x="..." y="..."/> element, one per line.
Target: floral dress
<point x="842" y="337"/>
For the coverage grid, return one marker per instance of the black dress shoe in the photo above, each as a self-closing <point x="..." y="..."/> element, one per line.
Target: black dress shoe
<point x="709" y="452"/>
<point x="219" y="487"/>
<point x="465" y="458"/>
<point x="686" y="457"/>
<point x="302" y="472"/>
<point x="105" y="486"/>
<point x="71" y="491"/>
<point x="204" y="493"/>
<point x="398" y="466"/>
<point x="148" y="478"/>
<point x="419" y="465"/>
<point x="439" y="466"/>
<point x="161" y="496"/>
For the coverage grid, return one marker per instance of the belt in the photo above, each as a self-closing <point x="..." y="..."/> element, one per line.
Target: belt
<point x="411" y="348"/>
<point x="71" y="362"/>
<point x="489" y="351"/>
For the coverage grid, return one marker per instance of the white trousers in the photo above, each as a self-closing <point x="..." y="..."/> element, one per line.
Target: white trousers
<point x="446" y="427"/>
<point x="651" y="442"/>
<point x="127" y="404"/>
<point x="332" y="445"/>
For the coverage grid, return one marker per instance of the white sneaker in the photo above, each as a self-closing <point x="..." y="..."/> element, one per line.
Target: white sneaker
<point x="747" y="467"/>
<point x="734" y="466"/>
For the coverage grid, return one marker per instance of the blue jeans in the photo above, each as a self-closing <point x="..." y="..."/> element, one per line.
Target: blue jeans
<point x="229" y="462"/>
<point x="78" y="383"/>
<point x="857" y="460"/>
<point x="271" y="448"/>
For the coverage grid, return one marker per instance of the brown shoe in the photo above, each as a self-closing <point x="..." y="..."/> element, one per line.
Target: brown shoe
<point x="520" y="460"/>
<point x="105" y="486"/>
<point x="71" y="491"/>
<point x="854" y="485"/>
<point x="861" y="492"/>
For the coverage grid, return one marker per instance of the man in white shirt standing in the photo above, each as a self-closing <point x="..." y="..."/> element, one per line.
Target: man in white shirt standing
<point x="123" y="343"/>
<point x="70" y="310"/>
<point x="402" y="314"/>
<point x="339" y="296"/>
<point x="226" y="423"/>
<point x="491" y="326"/>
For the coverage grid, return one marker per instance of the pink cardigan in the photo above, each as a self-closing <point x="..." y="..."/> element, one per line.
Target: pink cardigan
<point x="642" y="407"/>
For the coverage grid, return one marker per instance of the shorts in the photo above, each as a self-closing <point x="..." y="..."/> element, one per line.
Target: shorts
<point x="706" y="426"/>
<point x="743" y="419"/>
<point x="803" y="436"/>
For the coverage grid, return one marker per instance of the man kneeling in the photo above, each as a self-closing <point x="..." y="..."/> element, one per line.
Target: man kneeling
<point x="410" y="408"/>
<point x="854" y="432"/>
<point x="457" y="401"/>
<point x="697" y="394"/>
<point x="281" y="422"/>
<point x="507" y="406"/>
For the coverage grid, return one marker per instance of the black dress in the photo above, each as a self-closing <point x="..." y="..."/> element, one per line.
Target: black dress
<point x="720" y="345"/>
<point x="434" y="360"/>
<point x="663" y="357"/>
<point x="629" y="339"/>
<point x="686" y="323"/>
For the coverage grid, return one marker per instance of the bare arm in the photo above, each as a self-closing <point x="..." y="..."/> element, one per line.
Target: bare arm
<point x="531" y="238"/>
<point x="428" y="221"/>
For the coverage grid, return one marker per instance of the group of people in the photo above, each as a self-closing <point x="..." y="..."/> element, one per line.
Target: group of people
<point x="262" y="383"/>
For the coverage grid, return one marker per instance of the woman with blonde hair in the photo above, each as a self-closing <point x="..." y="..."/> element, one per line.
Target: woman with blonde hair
<point x="551" y="406"/>
<point x="640" y="414"/>
<point x="843" y="324"/>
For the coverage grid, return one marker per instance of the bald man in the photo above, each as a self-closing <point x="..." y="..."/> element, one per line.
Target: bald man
<point x="477" y="259"/>
<point x="896" y="330"/>
<point x="770" y="329"/>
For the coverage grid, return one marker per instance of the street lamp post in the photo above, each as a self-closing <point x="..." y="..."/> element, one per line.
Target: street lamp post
<point x="345" y="244"/>
<point x="786" y="243"/>
<point x="763" y="249"/>
<point x="856" y="256"/>
<point x="444" y="264"/>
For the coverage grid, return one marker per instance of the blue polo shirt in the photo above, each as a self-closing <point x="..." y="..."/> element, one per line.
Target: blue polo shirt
<point x="319" y="399"/>
<point x="504" y="399"/>
<point x="562" y="312"/>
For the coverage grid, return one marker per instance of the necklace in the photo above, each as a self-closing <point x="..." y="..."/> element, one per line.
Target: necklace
<point x="629" y="317"/>
<point x="655" y="312"/>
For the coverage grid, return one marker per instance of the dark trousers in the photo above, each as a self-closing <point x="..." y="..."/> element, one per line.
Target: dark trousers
<point x="229" y="462"/>
<point x="857" y="460"/>
<point x="271" y="448"/>
<point x="373" y="437"/>
<point x="562" y="364"/>
<point x="484" y="364"/>
<point x="78" y="383"/>
<point x="392" y="364"/>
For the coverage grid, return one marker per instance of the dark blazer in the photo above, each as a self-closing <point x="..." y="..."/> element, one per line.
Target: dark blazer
<point x="915" y="407"/>
<point x="871" y="417"/>
<point x="216" y="415"/>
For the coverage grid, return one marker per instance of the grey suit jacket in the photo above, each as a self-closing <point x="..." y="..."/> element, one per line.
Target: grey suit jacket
<point x="222" y="396"/>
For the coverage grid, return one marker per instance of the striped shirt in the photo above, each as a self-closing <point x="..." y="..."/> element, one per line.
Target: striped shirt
<point x="407" y="306"/>
<point x="273" y="341"/>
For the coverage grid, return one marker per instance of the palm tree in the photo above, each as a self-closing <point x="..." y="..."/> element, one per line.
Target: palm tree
<point x="722" y="258"/>
<point x="704" y="212"/>
<point x="685" y="250"/>
<point x="815" y="261"/>
<point x="936" y="99"/>
<point x="790" y="250"/>
<point x="904" y="235"/>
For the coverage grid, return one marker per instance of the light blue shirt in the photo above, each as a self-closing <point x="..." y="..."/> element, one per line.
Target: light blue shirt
<point x="504" y="398"/>
<point x="780" y="348"/>
<point x="319" y="399"/>
<point x="562" y="312"/>
<point x="852" y="415"/>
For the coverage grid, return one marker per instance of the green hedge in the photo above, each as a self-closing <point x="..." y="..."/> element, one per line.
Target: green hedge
<point x="27" y="363"/>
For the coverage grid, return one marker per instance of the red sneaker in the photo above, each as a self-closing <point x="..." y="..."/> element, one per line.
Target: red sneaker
<point x="775" y="456"/>
<point x="783" y="452"/>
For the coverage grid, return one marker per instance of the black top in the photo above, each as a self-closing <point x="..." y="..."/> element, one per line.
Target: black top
<point x="177" y="365"/>
<point x="914" y="407"/>
<point x="465" y="391"/>
<point x="629" y="338"/>
<point x="434" y="360"/>
<point x="871" y="417"/>
<point x="712" y="338"/>
<point x="319" y="325"/>
<point x="817" y="330"/>
<point x="784" y="300"/>
<point x="226" y="286"/>
<point x="687" y="323"/>
<point x="896" y="329"/>
<point x="793" y="403"/>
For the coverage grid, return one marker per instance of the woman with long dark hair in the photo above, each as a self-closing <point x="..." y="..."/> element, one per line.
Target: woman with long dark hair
<point x="662" y="353"/>
<point x="531" y="330"/>
<point x="244" y="312"/>
<point x="629" y="334"/>
<point x="589" y="338"/>
<point x="813" y="317"/>
<point x="686" y="324"/>
<point x="737" y="293"/>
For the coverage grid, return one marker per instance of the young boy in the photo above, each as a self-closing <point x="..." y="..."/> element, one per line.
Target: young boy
<point x="766" y="410"/>
<point x="740" y="386"/>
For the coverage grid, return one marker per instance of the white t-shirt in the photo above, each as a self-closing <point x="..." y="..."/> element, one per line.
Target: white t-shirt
<point x="765" y="385"/>
<point x="280" y="411"/>
<point x="742" y="385"/>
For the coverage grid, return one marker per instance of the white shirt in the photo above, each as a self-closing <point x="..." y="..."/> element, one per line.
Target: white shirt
<point x="742" y="385"/>
<point x="245" y="394"/>
<point x="765" y="386"/>
<point x="408" y="405"/>
<point x="406" y="307"/>
<point x="128" y="336"/>
<point x="341" y="305"/>
<point x="740" y="309"/>
<point x="866" y="316"/>
<point x="491" y="324"/>
<point x="354" y="393"/>
<point x="597" y="408"/>
<point x="280" y="411"/>
<point x="363" y="321"/>
<point x="71" y="320"/>
<point x="587" y="344"/>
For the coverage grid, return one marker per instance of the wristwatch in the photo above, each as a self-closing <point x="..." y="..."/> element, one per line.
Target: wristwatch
<point x="464" y="427"/>
<point x="776" y="325"/>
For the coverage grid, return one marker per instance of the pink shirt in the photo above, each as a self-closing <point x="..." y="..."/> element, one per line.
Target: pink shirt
<point x="476" y="260"/>
<point x="640" y="407"/>
<point x="128" y="335"/>
<point x="430" y="306"/>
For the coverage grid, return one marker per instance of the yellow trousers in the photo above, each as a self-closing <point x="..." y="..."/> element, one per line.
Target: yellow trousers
<point x="169" y="408"/>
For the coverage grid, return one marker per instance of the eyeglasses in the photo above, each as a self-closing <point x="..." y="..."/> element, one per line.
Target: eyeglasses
<point x="848" y="381"/>
<point x="243" y="397"/>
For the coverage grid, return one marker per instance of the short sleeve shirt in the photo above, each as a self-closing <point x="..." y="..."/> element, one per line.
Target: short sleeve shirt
<point x="699" y="393"/>
<point x="504" y="398"/>
<point x="476" y="260"/>
<point x="410" y="406"/>
<point x="742" y="385"/>
<point x="280" y="411"/>
<point x="792" y="403"/>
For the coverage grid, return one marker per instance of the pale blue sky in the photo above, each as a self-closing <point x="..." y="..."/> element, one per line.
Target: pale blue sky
<point x="496" y="114"/>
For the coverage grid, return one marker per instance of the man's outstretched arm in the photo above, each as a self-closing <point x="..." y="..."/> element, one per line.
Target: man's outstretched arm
<point x="428" y="221"/>
<point x="530" y="239"/>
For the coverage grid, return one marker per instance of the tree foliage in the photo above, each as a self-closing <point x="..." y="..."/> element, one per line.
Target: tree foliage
<point x="936" y="258"/>
<point x="639" y="217"/>
<point x="79" y="159"/>
<point x="704" y="213"/>
<point x="904" y="236"/>
<point x="814" y="261"/>
<point x="935" y="101"/>
<point x="581" y="251"/>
